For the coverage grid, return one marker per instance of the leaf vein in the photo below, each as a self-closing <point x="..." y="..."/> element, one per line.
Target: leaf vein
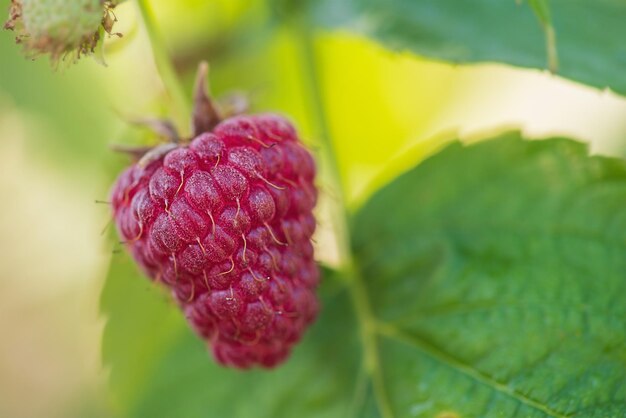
<point x="390" y="332"/>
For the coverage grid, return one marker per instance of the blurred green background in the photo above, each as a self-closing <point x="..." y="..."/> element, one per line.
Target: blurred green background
<point x="385" y="110"/>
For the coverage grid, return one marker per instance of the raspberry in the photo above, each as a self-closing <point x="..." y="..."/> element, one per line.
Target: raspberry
<point x="225" y="222"/>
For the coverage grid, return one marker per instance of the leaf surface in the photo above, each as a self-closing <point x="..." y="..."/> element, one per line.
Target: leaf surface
<point x="159" y="368"/>
<point x="589" y="36"/>
<point x="496" y="276"/>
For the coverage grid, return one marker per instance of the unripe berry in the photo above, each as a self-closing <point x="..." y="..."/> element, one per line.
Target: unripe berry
<point x="60" y="28"/>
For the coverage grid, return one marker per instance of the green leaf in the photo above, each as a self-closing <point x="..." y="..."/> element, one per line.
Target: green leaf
<point x="487" y="282"/>
<point x="590" y="35"/>
<point x="142" y="322"/>
<point x="496" y="276"/>
<point x="160" y="369"/>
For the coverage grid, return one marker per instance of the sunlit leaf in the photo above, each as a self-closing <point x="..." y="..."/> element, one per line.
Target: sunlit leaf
<point x="589" y="39"/>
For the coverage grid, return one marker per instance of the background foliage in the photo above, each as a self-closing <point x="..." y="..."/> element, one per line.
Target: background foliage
<point x="482" y="282"/>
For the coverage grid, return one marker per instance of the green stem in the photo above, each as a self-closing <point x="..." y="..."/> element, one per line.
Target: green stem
<point x="358" y="291"/>
<point x="164" y="66"/>
<point x="312" y="78"/>
<point x="369" y="339"/>
<point x="541" y="8"/>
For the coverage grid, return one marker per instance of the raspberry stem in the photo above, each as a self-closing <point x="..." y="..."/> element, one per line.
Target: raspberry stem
<point x="348" y="266"/>
<point x="164" y="65"/>
<point x="312" y="78"/>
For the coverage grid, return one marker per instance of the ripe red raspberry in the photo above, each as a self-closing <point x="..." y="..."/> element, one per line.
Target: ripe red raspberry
<point x="226" y="222"/>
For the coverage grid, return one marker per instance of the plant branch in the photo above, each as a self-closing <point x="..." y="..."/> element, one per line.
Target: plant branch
<point x="314" y="84"/>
